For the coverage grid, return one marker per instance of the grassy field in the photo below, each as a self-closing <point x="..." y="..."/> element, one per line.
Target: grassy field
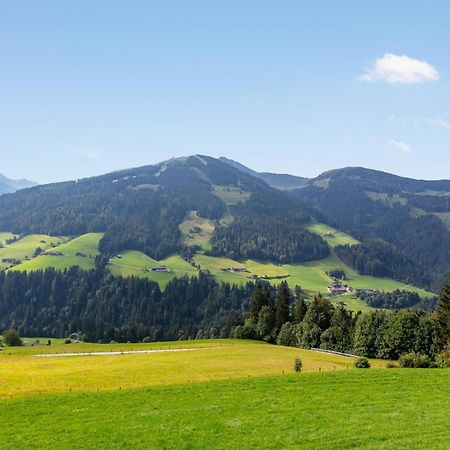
<point x="133" y="263"/>
<point x="311" y="276"/>
<point x="340" y="238"/>
<point x="370" y="409"/>
<point x="205" y="361"/>
<point x="24" y="248"/>
<point x="231" y="195"/>
<point x="4" y="237"/>
<point x="197" y="230"/>
<point x="87" y="244"/>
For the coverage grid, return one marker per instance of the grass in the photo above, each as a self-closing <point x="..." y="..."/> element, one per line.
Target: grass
<point x="213" y="360"/>
<point x="134" y="263"/>
<point x="340" y="238"/>
<point x="5" y="236"/>
<point x="369" y="409"/>
<point x="24" y="248"/>
<point x="197" y="230"/>
<point x="87" y="244"/>
<point x="445" y="217"/>
<point x="311" y="276"/>
<point x="231" y="195"/>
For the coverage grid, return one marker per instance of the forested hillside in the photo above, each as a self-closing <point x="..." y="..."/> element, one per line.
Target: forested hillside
<point x="410" y="215"/>
<point x="141" y="209"/>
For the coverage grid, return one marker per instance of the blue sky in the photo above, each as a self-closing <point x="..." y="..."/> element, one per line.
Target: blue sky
<point x="87" y="87"/>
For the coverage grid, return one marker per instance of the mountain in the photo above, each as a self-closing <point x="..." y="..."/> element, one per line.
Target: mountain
<point x="410" y="217"/>
<point x="283" y="182"/>
<point x="7" y="185"/>
<point x="141" y="209"/>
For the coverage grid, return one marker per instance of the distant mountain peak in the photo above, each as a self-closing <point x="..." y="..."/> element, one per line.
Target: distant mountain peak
<point x="8" y="185"/>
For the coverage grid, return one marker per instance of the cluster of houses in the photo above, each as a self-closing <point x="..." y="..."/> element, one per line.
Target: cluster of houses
<point x="339" y="288"/>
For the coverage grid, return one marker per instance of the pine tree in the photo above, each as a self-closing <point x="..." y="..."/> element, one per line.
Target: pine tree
<point x="282" y="304"/>
<point x="260" y="297"/>
<point x="443" y="313"/>
<point x="299" y="310"/>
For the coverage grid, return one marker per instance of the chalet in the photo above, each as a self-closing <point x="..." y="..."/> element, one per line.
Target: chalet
<point x="159" y="269"/>
<point x="330" y="234"/>
<point x="253" y="277"/>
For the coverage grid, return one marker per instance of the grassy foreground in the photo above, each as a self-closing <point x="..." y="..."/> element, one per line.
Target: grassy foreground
<point x="191" y="362"/>
<point x="371" y="409"/>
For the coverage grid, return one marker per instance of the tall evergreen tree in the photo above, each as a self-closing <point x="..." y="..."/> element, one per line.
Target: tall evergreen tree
<point x="443" y="313"/>
<point x="282" y="304"/>
<point x="260" y="297"/>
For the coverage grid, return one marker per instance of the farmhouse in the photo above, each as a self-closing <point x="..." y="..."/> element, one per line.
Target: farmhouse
<point x="159" y="269"/>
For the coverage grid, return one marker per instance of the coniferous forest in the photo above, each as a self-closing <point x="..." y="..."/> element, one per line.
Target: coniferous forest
<point x="104" y="308"/>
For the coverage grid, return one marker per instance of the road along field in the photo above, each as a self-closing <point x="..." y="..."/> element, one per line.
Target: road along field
<point x="364" y="409"/>
<point x="24" y="372"/>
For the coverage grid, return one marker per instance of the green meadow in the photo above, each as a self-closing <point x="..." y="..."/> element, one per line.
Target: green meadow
<point x="311" y="276"/>
<point x="86" y="246"/>
<point x="134" y="263"/>
<point x="243" y="408"/>
<point x="24" y="248"/>
<point x="197" y="230"/>
<point x="338" y="238"/>
<point x="231" y="195"/>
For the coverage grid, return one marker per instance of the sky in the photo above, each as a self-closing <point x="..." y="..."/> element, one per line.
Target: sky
<point x="92" y="86"/>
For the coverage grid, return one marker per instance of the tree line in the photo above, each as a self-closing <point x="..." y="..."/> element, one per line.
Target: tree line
<point x="320" y="324"/>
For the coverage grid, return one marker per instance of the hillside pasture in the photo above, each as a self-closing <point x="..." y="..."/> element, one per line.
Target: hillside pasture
<point x="370" y="409"/>
<point x="338" y="238"/>
<point x="5" y="236"/>
<point x="24" y="248"/>
<point x="197" y="230"/>
<point x="137" y="264"/>
<point x="86" y="246"/>
<point x="312" y="276"/>
<point x="231" y="195"/>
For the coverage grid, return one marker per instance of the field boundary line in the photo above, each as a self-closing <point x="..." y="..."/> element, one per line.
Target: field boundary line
<point x="126" y="352"/>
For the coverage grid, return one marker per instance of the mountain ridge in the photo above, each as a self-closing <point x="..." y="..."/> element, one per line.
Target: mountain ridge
<point x="8" y="185"/>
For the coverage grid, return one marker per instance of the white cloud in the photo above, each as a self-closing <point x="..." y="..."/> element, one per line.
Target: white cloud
<point x="399" y="145"/>
<point x="395" y="69"/>
<point x="438" y="121"/>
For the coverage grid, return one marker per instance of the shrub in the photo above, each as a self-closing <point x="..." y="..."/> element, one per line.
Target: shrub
<point x="414" y="361"/>
<point x="12" y="338"/>
<point x="298" y="364"/>
<point x="147" y="339"/>
<point x="362" y="363"/>
<point x="67" y="341"/>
